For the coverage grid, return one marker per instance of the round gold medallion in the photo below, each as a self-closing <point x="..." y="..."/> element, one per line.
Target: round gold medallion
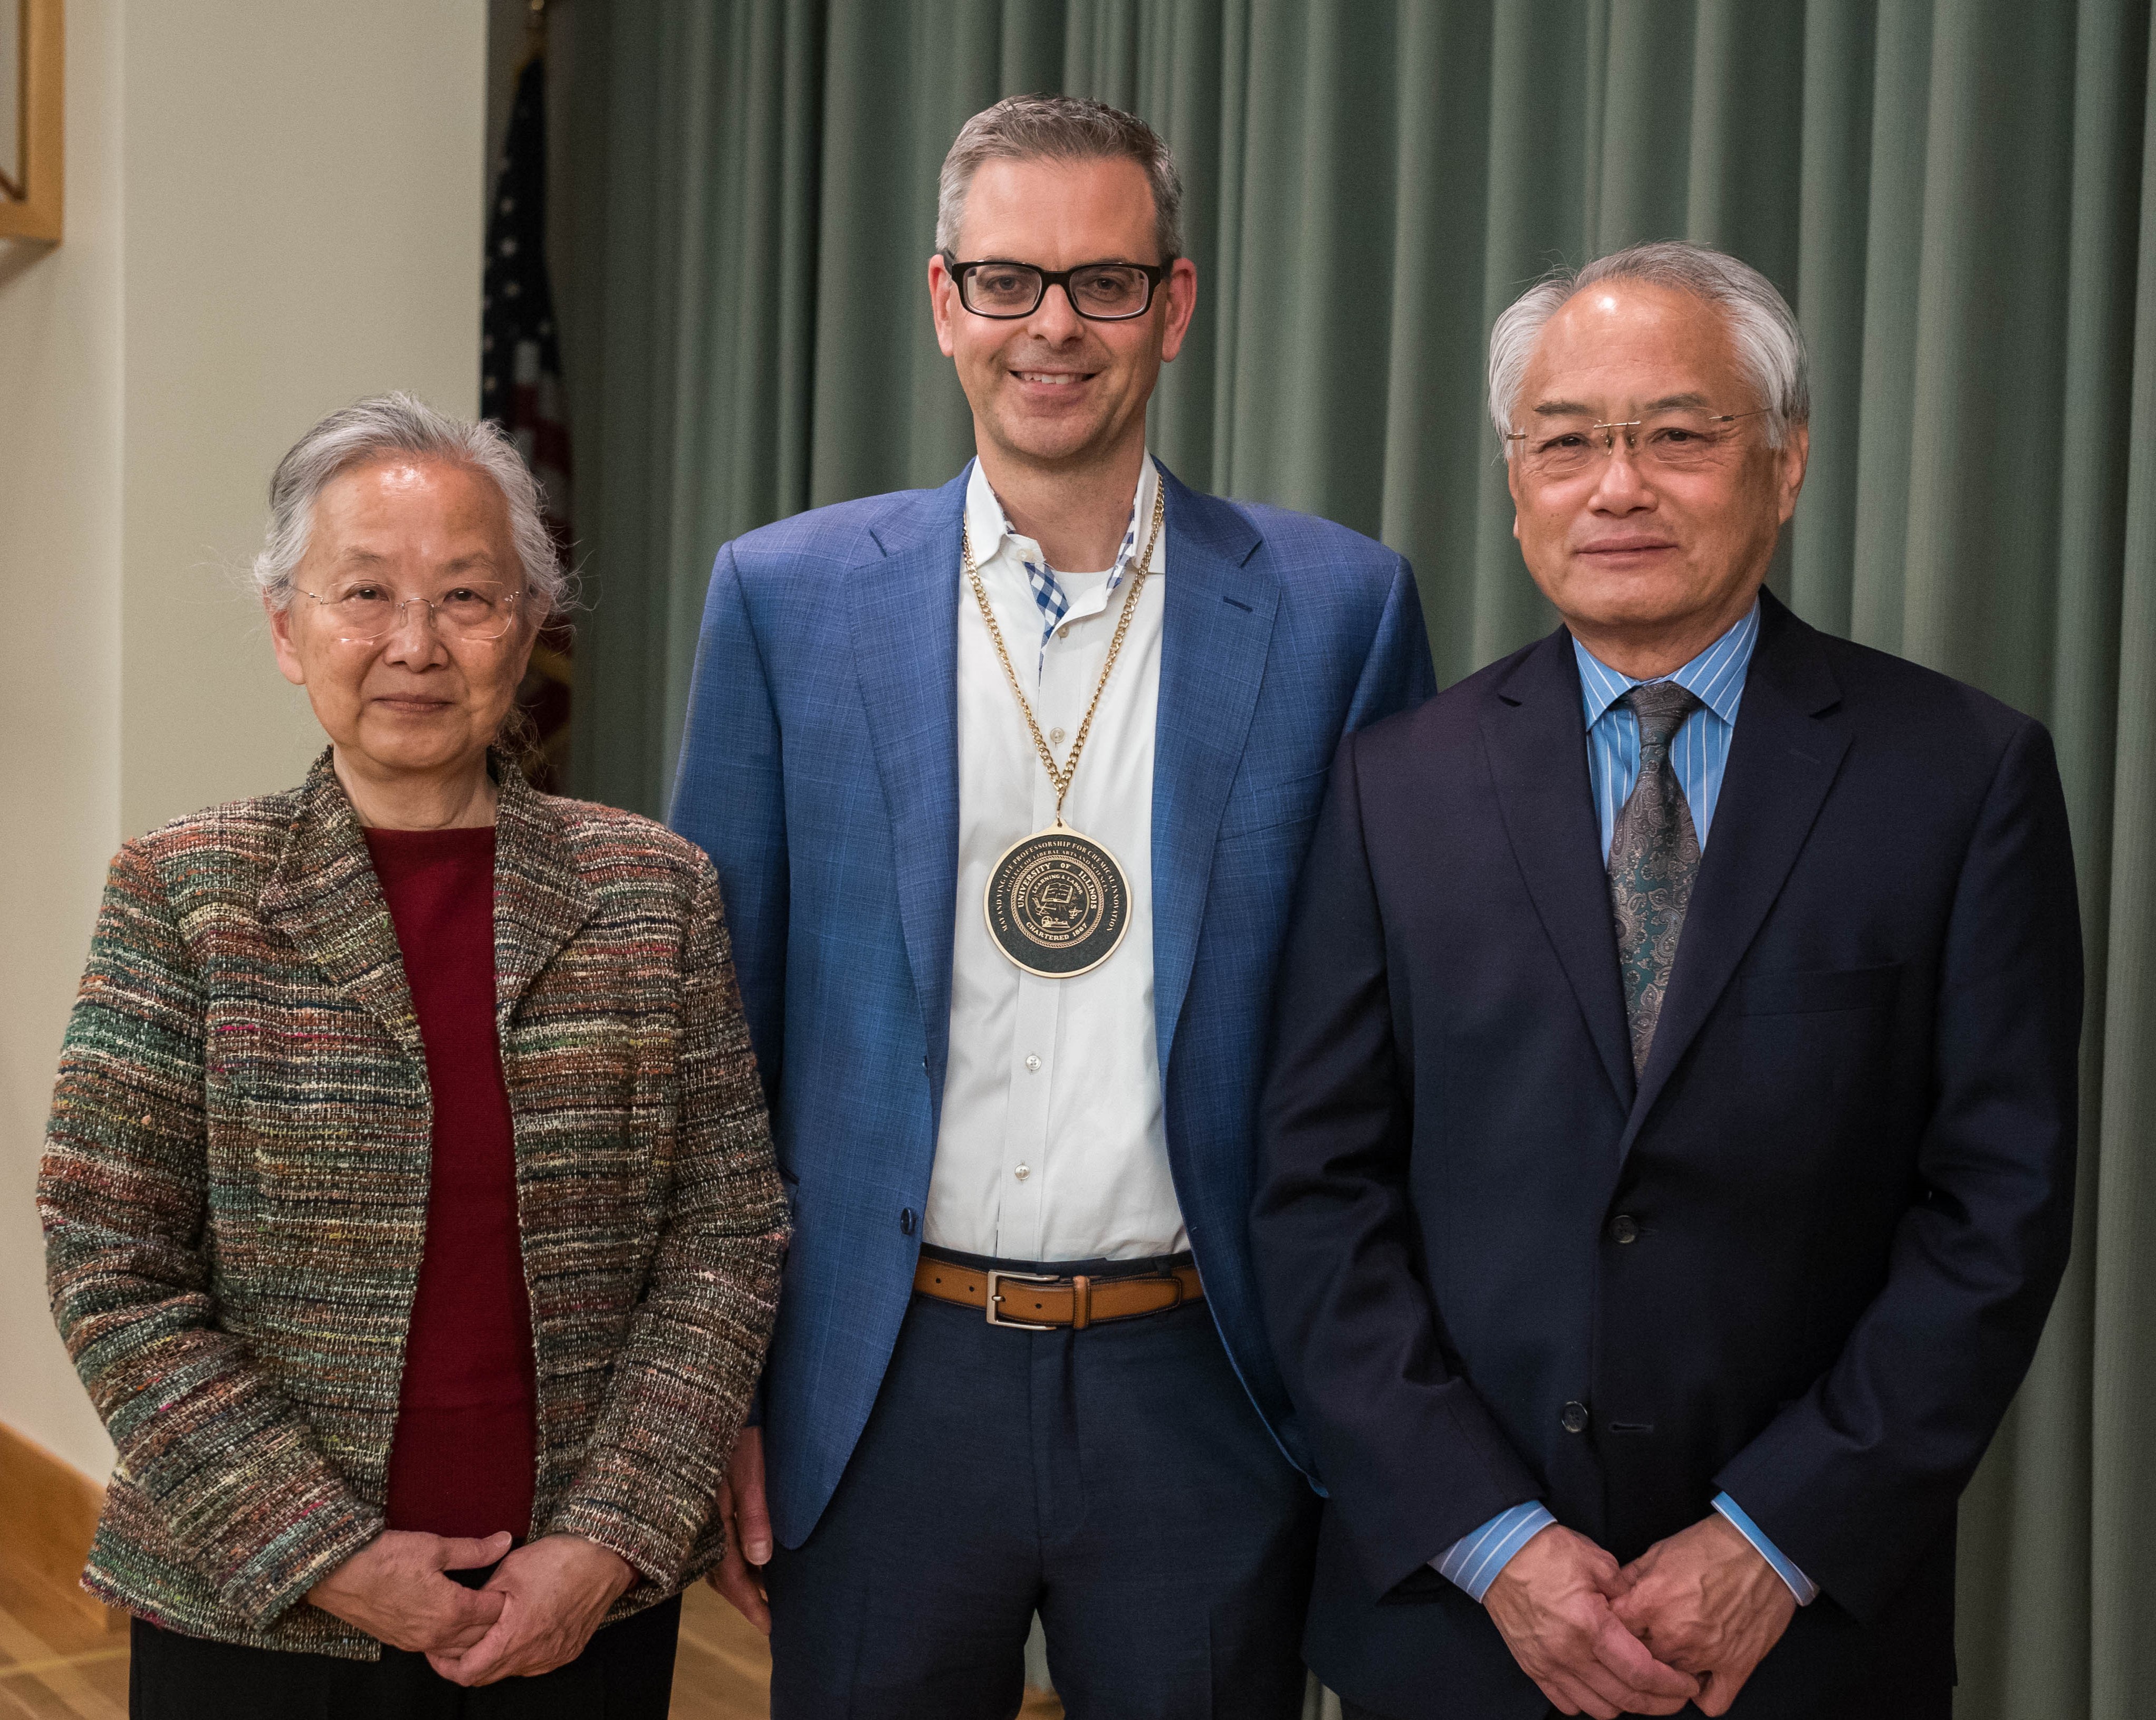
<point x="1056" y="904"/>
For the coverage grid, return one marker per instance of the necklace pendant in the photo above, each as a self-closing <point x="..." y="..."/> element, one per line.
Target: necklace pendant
<point x="1057" y="903"/>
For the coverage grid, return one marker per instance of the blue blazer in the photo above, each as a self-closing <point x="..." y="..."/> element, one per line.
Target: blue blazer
<point x="820" y="771"/>
<point x="1805" y="1258"/>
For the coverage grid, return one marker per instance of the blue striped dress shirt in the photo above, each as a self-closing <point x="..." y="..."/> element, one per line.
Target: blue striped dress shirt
<point x="1700" y="749"/>
<point x="1700" y="753"/>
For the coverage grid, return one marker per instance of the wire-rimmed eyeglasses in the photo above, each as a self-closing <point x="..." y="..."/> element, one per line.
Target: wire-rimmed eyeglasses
<point x="362" y="611"/>
<point x="1099" y="292"/>
<point x="1679" y="440"/>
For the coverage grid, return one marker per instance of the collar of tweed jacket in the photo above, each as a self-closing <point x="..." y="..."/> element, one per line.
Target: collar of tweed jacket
<point x="322" y="896"/>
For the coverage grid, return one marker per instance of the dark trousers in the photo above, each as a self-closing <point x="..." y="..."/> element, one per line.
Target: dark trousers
<point x="1116" y="1480"/>
<point x="626" y="1672"/>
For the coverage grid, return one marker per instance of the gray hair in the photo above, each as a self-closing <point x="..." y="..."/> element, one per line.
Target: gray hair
<point x="1770" y="347"/>
<point x="1059" y="128"/>
<point x="383" y="426"/>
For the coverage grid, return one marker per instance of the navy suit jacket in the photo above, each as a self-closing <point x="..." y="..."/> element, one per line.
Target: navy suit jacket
<point x="1846" y="1169"/>
<point x="820" y="772"/>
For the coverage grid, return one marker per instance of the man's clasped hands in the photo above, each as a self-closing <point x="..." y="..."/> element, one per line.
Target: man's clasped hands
<point x="1687" y="1621"/>
<point x="536" y="1612"/>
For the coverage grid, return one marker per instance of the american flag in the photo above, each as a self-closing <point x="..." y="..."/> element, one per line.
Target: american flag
<point x="521" y="382"/>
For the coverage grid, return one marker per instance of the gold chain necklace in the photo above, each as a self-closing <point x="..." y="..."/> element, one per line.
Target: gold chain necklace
<point x="1057" y="903"/>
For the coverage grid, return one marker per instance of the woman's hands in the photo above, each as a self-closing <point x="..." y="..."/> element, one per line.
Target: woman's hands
<point x="553" y="1593"/>
<point x="536" y="1612"/>
<point x="393" y="1589"/>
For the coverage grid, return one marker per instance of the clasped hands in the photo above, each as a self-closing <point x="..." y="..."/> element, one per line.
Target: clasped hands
<point x="536" y="1612"/>
<point x="1687" y="1621"/>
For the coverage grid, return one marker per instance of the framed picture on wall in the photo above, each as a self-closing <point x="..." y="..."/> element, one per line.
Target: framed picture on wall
<point x="30" y="131"/>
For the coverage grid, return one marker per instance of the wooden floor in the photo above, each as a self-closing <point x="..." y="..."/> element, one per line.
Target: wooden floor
<point x="58" y="1655"/>
<point x="58" y="1659"/>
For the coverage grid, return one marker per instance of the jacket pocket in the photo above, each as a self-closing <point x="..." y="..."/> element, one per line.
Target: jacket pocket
<point x="327" y="1177"/>
<point x="1819" y="993"/>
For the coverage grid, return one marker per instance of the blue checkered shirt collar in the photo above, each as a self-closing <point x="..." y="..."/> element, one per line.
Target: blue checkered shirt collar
<point x="989" y="527"/>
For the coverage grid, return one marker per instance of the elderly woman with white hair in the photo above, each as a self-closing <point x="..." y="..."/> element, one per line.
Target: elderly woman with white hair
<point x="409" y="1203"/>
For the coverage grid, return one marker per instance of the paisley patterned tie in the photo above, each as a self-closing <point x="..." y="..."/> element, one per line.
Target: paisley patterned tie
<point x="1653" y="857"/>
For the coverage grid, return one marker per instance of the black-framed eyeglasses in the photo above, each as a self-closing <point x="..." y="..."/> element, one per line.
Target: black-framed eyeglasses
<point x="1101" y="292"/>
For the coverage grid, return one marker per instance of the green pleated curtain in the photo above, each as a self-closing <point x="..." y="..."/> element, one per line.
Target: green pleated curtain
<point x="1958" y="196"/>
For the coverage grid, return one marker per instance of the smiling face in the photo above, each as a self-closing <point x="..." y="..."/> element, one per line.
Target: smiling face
<point x="1055" y="389"/>
<point x="1645" y="564"/>
<point x="423" y="700"/>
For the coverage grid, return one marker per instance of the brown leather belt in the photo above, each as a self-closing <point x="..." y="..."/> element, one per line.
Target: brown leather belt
<point x="1033" y="1301"/>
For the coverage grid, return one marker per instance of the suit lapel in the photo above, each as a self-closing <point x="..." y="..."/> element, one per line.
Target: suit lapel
<point x="1534" y="736"/>
<point x="324" y="900"/>
<point x="539" y="899"/>
<point x="1787" y="748"/>
<point x="1217" y="625"/>
<point x="904" y="618"/>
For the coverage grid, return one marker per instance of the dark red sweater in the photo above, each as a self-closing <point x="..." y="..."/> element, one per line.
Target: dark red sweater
<point x="463" y="1459"/>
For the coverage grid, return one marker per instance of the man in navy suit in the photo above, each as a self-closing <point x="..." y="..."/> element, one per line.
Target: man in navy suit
<point x="1008" y="784"/>
<point x="1668" y="1145"/>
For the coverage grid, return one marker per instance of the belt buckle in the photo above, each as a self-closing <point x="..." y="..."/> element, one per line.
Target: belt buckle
<point x="995" y="1297"/>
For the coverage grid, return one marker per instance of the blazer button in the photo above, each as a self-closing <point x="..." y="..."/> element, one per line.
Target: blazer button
<point x="1623" y="1228"/>
<point x="905" y="1221"/>
<point x="1574" y="1418"/>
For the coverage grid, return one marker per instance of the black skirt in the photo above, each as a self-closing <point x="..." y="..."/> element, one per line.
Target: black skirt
<point x="626" y="1672"/>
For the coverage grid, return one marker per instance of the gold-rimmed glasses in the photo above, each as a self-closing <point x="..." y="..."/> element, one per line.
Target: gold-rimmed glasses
<point x="362" y="611"/>
<point x="1674" y="441"/>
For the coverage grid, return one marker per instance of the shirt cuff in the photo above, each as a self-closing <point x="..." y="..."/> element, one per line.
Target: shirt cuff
<point x="1801" y="1585"/>
<point x="1473" y="1560"/>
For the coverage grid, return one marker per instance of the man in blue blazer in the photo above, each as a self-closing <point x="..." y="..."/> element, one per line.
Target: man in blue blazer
<point x="1007" y="849"/>
<point x="1670" y="1140"/>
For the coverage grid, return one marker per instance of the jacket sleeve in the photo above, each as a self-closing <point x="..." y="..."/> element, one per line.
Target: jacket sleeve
<point x="1397" y="675"/>
<point x="1858" y="1477"/>
<point x="730" y="800"/>
<point x="681" y="1381"/>
<point x="234" y="1467"/>
<point x="1412" y="1457"/>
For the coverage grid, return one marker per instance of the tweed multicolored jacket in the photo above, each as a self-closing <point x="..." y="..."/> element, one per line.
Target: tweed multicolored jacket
<point x="234" y="1198"/>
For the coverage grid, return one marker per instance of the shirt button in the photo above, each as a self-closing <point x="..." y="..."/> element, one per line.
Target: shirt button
<point x="1056" y="736"/>
<point x="1023" y="1171"/>
<point x="1574" y="1418"/>
<point x="1034" y="1064"/>
<point x="1623" y="1228"/>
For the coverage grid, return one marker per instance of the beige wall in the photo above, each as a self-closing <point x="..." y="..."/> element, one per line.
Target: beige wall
<point x="60" y="684"/>
<point x="271" y="211"/>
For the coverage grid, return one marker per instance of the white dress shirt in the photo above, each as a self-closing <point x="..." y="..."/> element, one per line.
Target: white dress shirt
<point x="1052" y="1145"/>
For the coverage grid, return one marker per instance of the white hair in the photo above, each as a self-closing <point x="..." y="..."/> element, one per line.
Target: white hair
<point x="1770" y="347"/>
<point x="384" y="426"/>
<point x="1059" y="128"/>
